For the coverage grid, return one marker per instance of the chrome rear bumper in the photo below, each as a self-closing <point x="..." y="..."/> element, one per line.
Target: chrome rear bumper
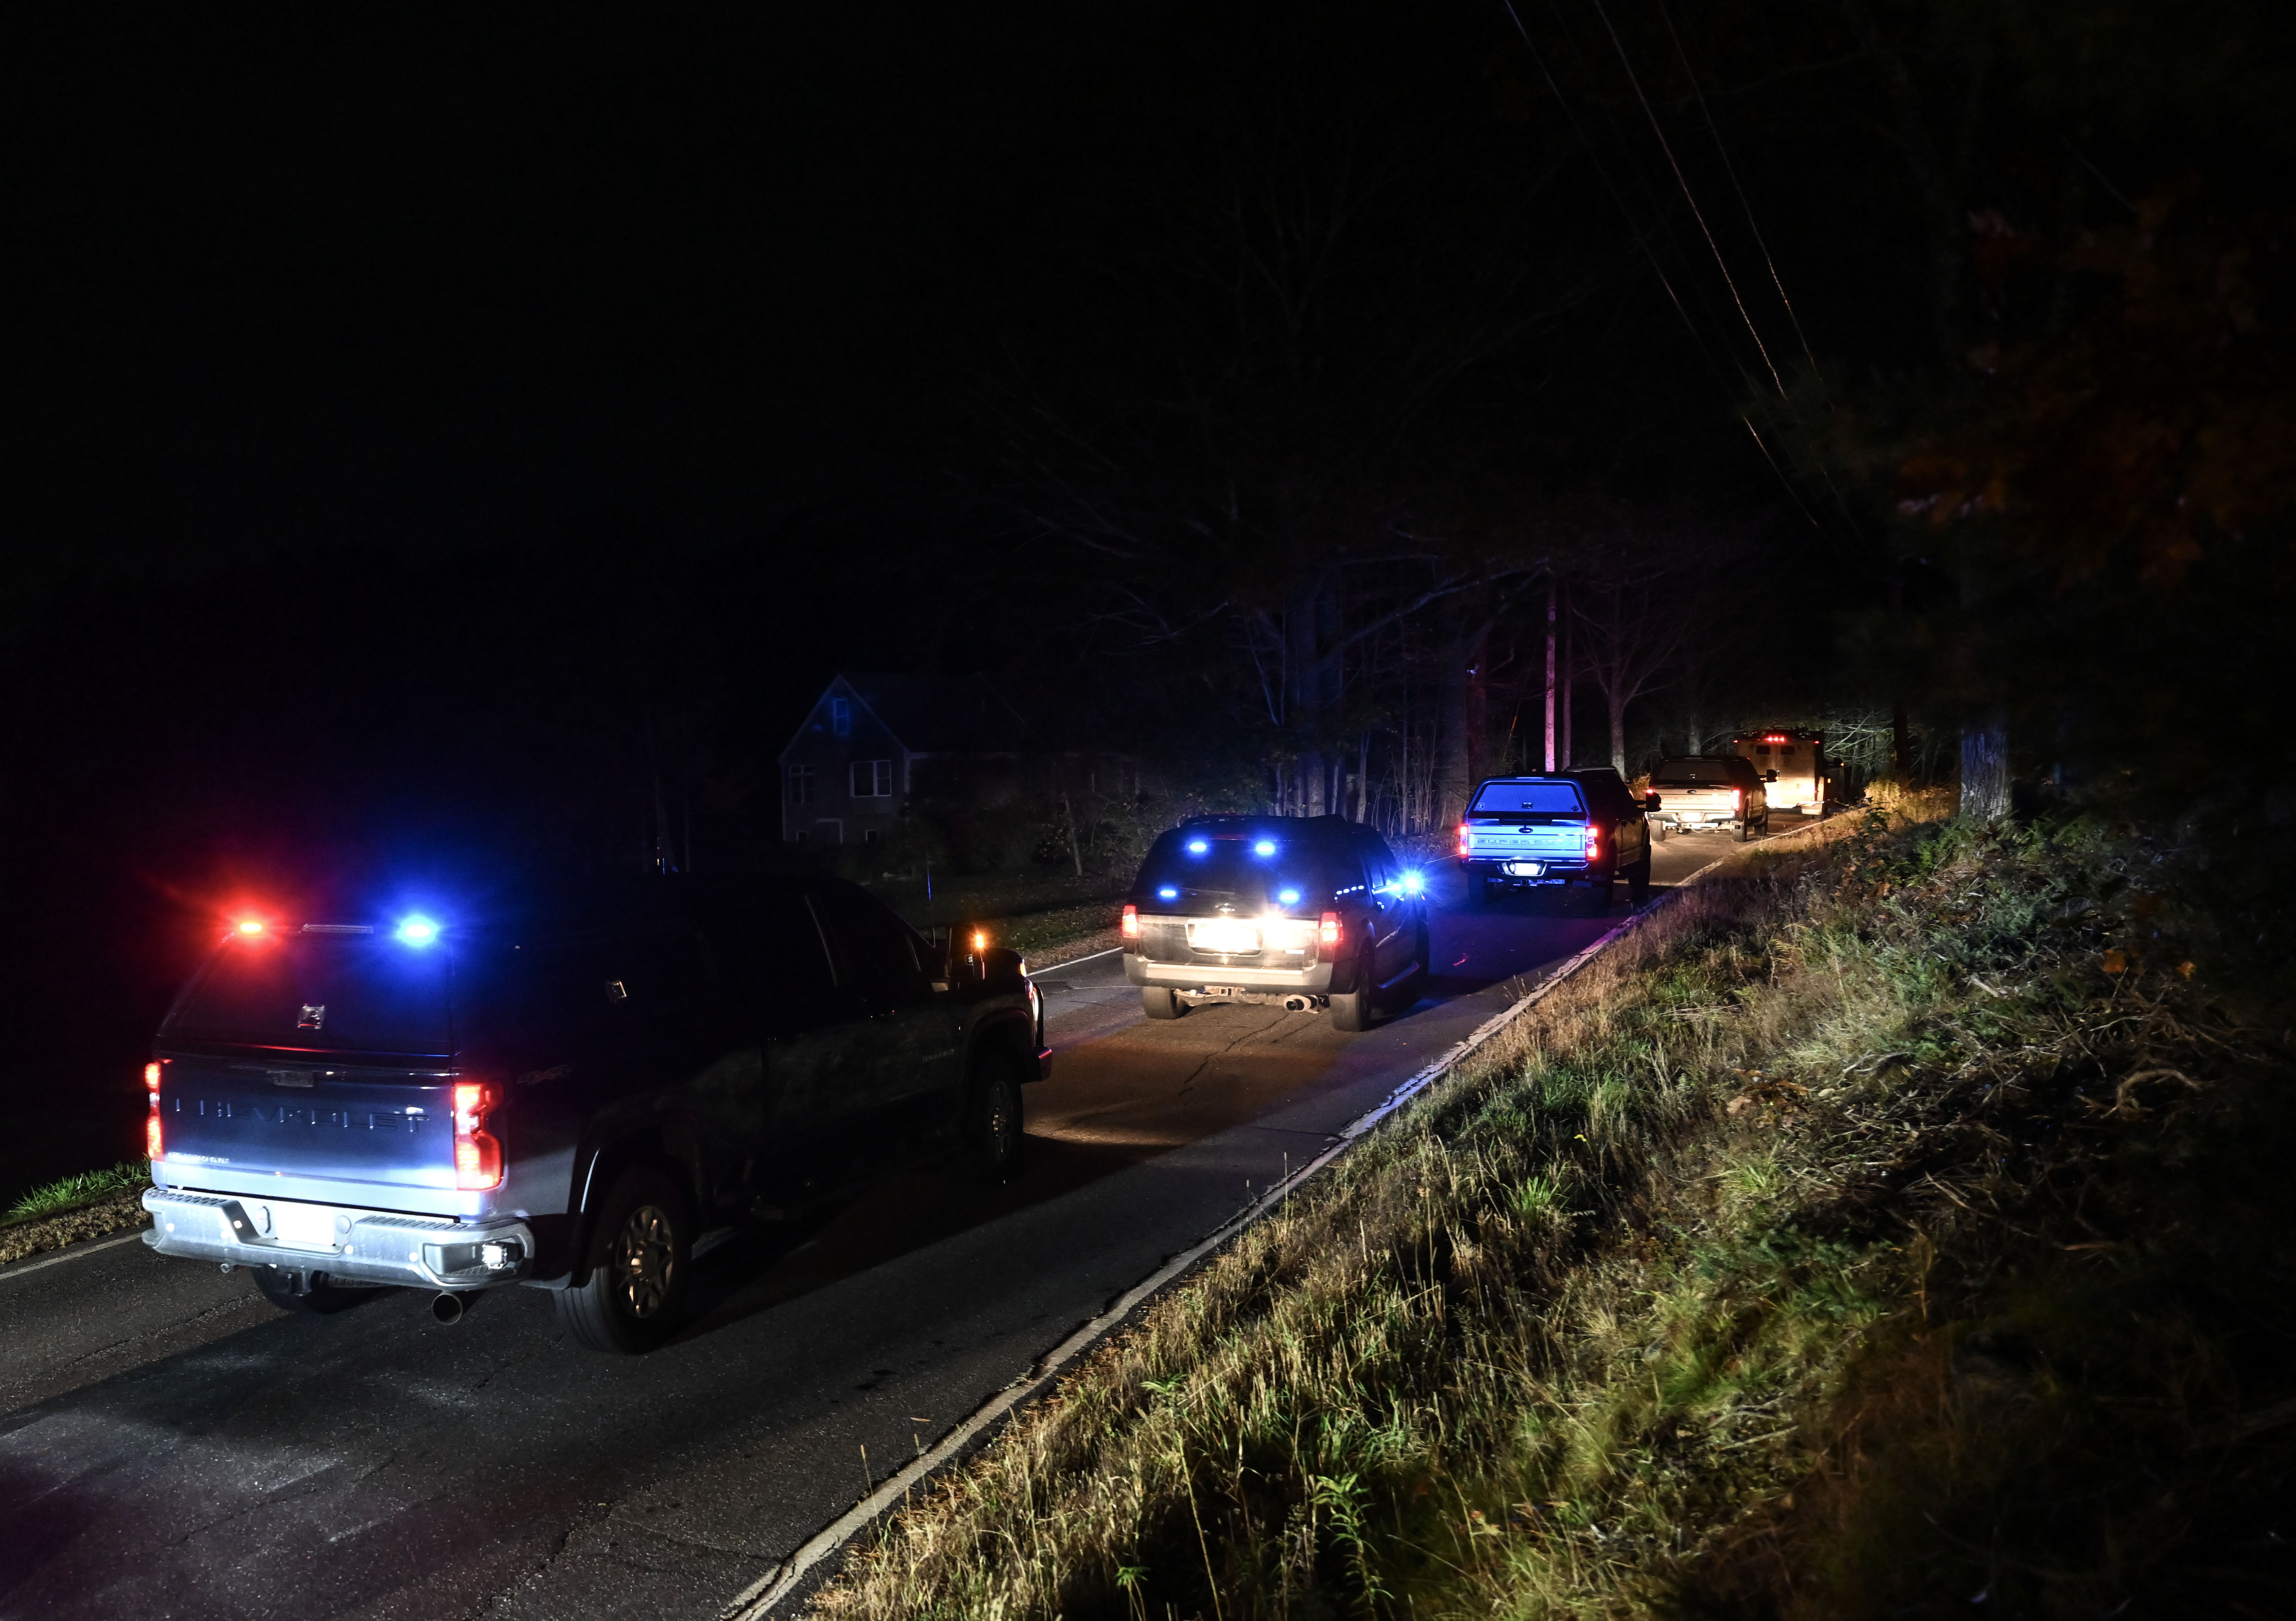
<point x="349" y="1245"/>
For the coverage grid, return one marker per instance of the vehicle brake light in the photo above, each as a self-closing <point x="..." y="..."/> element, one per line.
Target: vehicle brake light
<point x="250" y="925"/>
<point x="1130" y="927"/>
<point x="477" y="1152"/>
<point x="151" y="1077"/>
<point x="1466" y="842"/>
<point x="1594" y="843"/>
<point x="1328" y="932"/>
<point x="1738" y="797"/>
<point x="155" y="1145"/>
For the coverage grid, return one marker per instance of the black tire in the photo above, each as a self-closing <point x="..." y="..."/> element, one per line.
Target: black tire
<point x="992" y="1120"/>
<point x="1638" y="880"/>
<point x="1158" y="1001"/>
<point x="1408" y="989"/>
<point x="320" y="1299"/>
<point x="1745" y="828"/>
<point x="1481" y="890"/>
<point x="1354" y="1011"/>
<point x="640" y="1255"/>
<point x="1602" y="888"/>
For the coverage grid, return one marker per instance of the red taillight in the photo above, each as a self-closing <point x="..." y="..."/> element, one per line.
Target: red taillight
<point x="155" y="1145"/>
<point x="1466" y="844"/>
<point x="1594" y="843"/>
<point x="1130" y="927"/>
<point x="1328" y="933"/>
<point x="250" y="925"/>
<point x="477" y="1152"/>
<point x="152" y="1078"/>
<point x="1738" y="799"/>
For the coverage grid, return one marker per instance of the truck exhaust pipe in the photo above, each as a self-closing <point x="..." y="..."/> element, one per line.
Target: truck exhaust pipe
<point x="446" y="1308"/>
<point x="1297" y="1004"/>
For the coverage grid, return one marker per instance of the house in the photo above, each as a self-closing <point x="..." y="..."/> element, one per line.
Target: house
<point x="873" y="741"/>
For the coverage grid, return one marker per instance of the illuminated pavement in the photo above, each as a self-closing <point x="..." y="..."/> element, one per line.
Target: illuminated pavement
<point x="172" y="1445"/>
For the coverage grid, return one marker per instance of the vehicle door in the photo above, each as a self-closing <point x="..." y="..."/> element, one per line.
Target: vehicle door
<point x="781" y="968"/>
<point x="905" y="1044"/>
<point x="1394" y="923"/>
<point x="694" y="1041"/>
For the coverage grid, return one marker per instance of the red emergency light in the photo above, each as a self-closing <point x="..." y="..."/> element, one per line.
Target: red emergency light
<point x="1775" y="737"/>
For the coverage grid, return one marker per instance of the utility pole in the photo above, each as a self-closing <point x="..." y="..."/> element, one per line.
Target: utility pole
<point x="1551" y="606"/>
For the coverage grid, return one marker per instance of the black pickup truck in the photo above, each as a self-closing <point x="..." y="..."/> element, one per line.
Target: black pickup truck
<point x="565" y="1092"/>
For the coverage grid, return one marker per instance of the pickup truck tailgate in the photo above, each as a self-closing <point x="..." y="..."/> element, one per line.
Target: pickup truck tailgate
<point x="382" y="1128"/>
<point x="1514" y="840"/>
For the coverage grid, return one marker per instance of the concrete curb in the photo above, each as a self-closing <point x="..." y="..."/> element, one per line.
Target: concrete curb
<point x="791" y="1576"/>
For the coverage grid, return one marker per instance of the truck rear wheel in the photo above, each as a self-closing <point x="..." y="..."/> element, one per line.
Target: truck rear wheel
<point x="1158" y="1001"/>
<point x="639" y="1259"/>
<point x="1638" y="880"/>
<point x="1354" y="1011"/>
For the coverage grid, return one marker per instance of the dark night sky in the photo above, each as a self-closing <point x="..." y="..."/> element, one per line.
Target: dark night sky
<point x="303" y="281"/>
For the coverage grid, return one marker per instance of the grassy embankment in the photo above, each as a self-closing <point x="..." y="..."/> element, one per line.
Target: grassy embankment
<point x="1890" y="1228"/>
<point x="92" y="1204"/>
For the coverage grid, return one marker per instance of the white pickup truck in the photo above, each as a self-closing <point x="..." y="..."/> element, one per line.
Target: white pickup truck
<point x="1707" y="790"/>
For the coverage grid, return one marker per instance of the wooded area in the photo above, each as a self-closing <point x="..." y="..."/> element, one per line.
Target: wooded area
<point x="1253" y="391"/>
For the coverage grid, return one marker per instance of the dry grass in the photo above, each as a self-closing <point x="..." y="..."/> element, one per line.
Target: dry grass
<point x="1660" y="1306"/>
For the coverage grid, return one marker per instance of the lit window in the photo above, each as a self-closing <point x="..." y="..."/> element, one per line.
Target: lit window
<point x="801" y="784"/>
<point x="872" y="779"/>
<point x="841" y="716"/>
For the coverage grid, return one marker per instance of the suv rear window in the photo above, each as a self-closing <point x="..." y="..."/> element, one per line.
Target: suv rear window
<point x="1230" y="864"/>
<point x="1515" y="798"/>
<point x="328" y="992"/>
<point x="1697" y="774"/>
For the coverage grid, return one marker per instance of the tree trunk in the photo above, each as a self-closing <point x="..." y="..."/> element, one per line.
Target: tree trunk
<point x="1618" y="707"/>
<point x="1451" y="754"/>
<point x="1985" y="769"/>
<point x="1901" y="744"/>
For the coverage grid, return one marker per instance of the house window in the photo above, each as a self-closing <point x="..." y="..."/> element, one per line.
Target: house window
<point x="872" y="779"/>
<point x="800" y="785"/>
<point x="841" y="716"/>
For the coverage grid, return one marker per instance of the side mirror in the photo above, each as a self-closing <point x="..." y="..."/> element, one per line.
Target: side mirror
<point x="1001" y="965"/>
<point x="1650" y="800"/>
<point x="1769" y="776"/>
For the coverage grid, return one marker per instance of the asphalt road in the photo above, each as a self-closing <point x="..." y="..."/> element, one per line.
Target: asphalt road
<point x="172" y="1446"/>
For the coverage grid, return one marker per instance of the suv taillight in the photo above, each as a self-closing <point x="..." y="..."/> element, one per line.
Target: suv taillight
<point x="155" y="1142"/>
<point x="1594" y="843"/>
<point x="1330" y="934"/>
<point x="1129" y="929"/>
<point x="1466" y="844"/>
<point x="478" y="1151"/>
<point x="1738" y="799"/>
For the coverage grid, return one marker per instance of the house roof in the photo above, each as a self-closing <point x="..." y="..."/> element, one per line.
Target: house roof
<point x="942" y="715"/>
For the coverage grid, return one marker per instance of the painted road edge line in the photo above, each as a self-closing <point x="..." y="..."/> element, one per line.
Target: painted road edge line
<point x="758" y="1599"/>
<point x="70" y="1252"/>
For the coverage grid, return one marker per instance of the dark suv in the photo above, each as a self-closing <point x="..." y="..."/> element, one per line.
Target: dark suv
<point x="1580" y="826"/>
<point x="566" y="1092"/>
<point x="1301" y="911"/>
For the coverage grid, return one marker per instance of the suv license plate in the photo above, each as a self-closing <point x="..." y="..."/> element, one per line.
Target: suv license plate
<point x="1225" y="935"/>
<point x="1526" y="869"/>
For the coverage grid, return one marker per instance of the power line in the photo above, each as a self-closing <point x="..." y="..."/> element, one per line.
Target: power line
<point x="1695" y="213"/>
<point x="1731" y="169"/>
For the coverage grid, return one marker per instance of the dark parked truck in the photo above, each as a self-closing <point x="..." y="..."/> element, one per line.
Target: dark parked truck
<point x="1304" y="912"/>
<point x="566" y="1095"/>
<point x="1576" y="826"/>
